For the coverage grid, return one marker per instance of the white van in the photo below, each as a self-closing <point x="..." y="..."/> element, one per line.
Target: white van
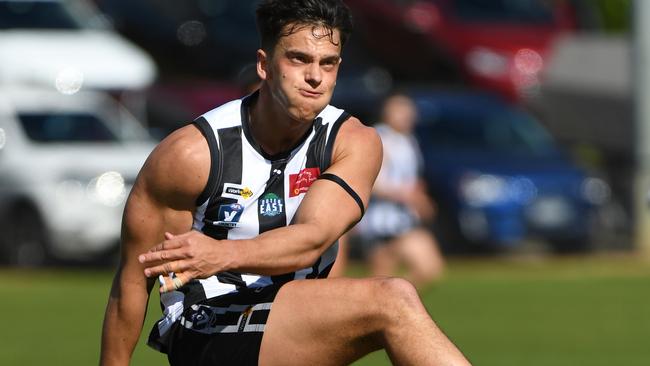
<point x="67" y="164"/>
<point x="67" y="44"/>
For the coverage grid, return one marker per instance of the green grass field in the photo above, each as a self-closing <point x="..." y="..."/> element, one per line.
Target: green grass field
<point x="568" y="311"/>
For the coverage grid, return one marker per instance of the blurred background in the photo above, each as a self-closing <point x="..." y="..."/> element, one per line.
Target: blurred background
<point x="533" y="124"/>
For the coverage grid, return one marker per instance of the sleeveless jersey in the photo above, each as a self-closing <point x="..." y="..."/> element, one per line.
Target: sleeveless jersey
<point x="250" y="192"/>
<point x="401" y="167"/>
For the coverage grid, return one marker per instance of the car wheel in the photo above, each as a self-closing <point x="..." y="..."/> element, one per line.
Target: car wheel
<point x="24" y="239"/>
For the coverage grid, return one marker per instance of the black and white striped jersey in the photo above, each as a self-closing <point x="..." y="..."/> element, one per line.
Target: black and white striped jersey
<point x="249" y="192"/>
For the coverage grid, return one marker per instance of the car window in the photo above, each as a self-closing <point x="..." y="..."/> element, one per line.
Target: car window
<point x="506" y="131"/>
<point x="513" y="11"/>
<point x="35" y="15"/>
<point x="65" y="127"/>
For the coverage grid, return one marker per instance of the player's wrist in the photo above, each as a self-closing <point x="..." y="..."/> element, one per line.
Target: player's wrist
<point x="230" y="255"/>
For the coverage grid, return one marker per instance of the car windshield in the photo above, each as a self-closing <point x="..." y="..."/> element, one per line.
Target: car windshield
<point x="511" y="11"/>
<point x="35" y="15"/>
<point x="503" y="131"/>
<point x="66" y="127"/>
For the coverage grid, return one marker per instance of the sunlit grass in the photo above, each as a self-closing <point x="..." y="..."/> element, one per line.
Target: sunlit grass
<point x="566" y="311"/>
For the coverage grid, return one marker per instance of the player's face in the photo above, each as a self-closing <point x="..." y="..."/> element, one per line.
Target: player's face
<point x="302" y="71"/>
<point x="400" y="113"/>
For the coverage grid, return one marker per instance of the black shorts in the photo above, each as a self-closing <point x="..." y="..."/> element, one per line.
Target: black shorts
<point x="227" y="330"/>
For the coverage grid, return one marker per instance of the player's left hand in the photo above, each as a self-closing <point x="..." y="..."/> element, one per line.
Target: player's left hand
<point x="188" y="256"/>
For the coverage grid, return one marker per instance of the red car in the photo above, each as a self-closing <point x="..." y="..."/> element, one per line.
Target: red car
<point x="499" y="45"/>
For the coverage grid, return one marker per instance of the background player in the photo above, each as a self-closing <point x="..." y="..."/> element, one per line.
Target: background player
<point x="392" y="230"/>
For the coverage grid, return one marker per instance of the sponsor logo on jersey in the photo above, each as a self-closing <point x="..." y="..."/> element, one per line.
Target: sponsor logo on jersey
<point x="270" y="205"/>
<point x="236" y="191"/>
<point x="229" y="215"/>
<point x="300" y="183"/>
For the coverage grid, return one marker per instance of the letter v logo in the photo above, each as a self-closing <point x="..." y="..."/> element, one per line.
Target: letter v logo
<point x="229" y="215"/>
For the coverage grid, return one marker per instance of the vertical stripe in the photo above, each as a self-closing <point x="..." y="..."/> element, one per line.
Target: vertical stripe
<point x="194" y="289"/>
<point x="254" y="164"/>
<point x="329" y="148"/>
<point x="199" y="216"/>
<point x="230" y="171"/>
<point x="271" y="207"/>
<point x="207" y="131"/>
<point x="317" y="145"/>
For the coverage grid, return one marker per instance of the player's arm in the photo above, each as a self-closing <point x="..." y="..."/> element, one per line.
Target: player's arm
<point x="161" y="200"/>
<point x="326" y="212"/>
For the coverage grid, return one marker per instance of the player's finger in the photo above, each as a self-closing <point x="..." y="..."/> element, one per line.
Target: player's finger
<point x="166" y="244"/>
<point x="161" y="256"/>
<point x="165" y="268"/>
<point x="157" y="270"/>
<point x="168" y="235"/>
<point x="173" y="283"/>
<point x="170" y="267"/>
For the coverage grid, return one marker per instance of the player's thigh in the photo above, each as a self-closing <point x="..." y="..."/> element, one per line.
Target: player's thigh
<point x="324" y="322"/>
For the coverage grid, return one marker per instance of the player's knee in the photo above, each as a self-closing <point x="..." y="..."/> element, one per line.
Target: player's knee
<point x="398" y="296"/>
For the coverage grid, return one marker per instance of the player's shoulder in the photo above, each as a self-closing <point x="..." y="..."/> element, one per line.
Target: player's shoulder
<point x="356" y="131"/>
<point x="180" y="164"/>
<point x="185" y="147"/>
<point x="354" y="137"/>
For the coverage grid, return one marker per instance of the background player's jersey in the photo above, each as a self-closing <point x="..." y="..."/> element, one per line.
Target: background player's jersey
<point x="401" y="168"/>
<point x="249" y="192"/>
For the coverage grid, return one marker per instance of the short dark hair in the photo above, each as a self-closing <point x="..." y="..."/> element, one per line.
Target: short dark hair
<point x="274" y="15"/>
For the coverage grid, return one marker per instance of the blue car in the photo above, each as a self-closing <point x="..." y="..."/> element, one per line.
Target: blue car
<point x="498" y="176"/>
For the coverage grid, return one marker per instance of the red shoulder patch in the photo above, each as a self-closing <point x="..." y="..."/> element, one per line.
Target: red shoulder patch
<point x="300" y="183"/>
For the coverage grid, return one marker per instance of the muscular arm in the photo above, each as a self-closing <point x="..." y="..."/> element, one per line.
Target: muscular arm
<point x="160" y="201"/>
<point x="326" y="212"/>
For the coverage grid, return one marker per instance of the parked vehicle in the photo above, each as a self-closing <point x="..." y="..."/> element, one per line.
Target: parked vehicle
<point x="67" y="163"/>
<point x="498" y="45"/>
<point x="499" y="177"/>
<point x="67" y="45"/>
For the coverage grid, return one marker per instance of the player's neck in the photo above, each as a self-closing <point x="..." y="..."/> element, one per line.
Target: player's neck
<point x="272" y="128"/>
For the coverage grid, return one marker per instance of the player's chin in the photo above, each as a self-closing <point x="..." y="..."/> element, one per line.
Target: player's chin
<point x="307" y="112"/>
<point x="310" y="115"/>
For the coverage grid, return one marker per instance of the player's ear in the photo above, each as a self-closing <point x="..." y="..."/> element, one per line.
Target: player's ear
<point x="262" y="64"/>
